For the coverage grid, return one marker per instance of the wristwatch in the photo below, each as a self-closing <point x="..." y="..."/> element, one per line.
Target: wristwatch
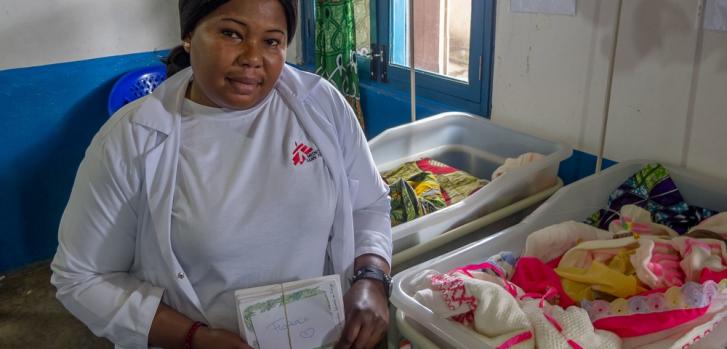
<point x="374" y="273"/>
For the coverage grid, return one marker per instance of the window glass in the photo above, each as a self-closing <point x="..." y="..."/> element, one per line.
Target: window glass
<point x="362" y="17"/>
<point x="442" y="36"/>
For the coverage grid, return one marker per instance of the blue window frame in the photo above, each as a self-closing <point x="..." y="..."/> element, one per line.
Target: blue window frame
<point x="308" y="33"/>
<point x="473" y="95"/>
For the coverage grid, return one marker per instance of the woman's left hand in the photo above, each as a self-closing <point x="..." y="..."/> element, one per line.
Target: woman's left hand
<point x="367" y="315"/>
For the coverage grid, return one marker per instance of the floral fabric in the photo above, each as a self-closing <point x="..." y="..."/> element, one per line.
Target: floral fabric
<point x="652" y="189"/>
<point x="424" y="186"/>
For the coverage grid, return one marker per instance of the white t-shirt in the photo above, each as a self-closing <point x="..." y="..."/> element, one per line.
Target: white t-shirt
<point x="253" y="203"/>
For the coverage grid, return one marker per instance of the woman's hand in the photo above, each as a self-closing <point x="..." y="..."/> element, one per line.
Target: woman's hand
<point x="216" y="338"/>
<point x="367" y="315"/>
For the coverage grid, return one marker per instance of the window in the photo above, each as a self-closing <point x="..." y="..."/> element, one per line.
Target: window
<point x="452" y="48"/>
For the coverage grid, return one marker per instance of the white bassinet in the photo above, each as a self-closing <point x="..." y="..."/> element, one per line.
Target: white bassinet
<point x="477" y="146"/>
<point x="573" y="202"/>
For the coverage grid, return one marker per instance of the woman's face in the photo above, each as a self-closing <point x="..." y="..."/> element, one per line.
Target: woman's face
<point x="238" y="52"/>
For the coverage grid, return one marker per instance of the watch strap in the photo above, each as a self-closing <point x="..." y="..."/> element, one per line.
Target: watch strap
<point x="374" y="273"/>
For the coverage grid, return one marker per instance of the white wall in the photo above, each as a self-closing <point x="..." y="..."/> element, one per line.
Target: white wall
<point x="52" y="31"/>
<point x="44" y="32"/>
<point x="669" y="100"/>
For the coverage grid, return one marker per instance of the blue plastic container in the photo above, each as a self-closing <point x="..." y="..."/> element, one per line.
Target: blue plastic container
<point x="134" y="85"/>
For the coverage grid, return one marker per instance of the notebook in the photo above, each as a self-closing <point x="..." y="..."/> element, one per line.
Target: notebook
<point x="303" y="314"/>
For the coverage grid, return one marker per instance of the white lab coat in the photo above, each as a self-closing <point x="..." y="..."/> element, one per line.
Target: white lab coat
<point x="115" y="263"/>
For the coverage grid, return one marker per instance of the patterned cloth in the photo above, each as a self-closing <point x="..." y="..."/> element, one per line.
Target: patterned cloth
<point x="424" y="186"/>
<point x="336" y="49"/>
<point x="652" y="189"/>
<point x="657" y="311"/>
<point x="415" y="197"/>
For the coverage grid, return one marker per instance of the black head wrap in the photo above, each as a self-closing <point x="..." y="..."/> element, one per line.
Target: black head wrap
<point x="192" y="11"/>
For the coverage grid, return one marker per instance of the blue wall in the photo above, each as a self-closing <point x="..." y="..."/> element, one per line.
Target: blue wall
<point x="50" y="113"/>
<point x="385" y="107"/>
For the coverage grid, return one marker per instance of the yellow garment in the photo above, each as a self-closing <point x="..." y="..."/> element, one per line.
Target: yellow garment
<point x="617" y="278"/>
<point x="428" y="186"/>
<point x="622" y="262"/>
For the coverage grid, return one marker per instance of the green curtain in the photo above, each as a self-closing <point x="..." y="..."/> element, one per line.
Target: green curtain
<point x="336" y="49"/>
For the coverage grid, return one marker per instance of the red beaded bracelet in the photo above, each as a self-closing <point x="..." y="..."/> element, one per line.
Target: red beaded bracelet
<point x="190" y="334"/>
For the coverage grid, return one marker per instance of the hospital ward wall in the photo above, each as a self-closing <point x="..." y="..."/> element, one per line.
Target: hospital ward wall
<point x="58" y="62"/>
<point x="669" y="100"/>
<point x="60" y="59"/>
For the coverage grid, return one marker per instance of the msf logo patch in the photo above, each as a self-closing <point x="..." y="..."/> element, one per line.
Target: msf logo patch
<point x="303" y="153"/>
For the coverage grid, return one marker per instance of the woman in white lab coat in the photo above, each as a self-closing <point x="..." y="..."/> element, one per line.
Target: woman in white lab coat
<point x="238" y="171"/>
